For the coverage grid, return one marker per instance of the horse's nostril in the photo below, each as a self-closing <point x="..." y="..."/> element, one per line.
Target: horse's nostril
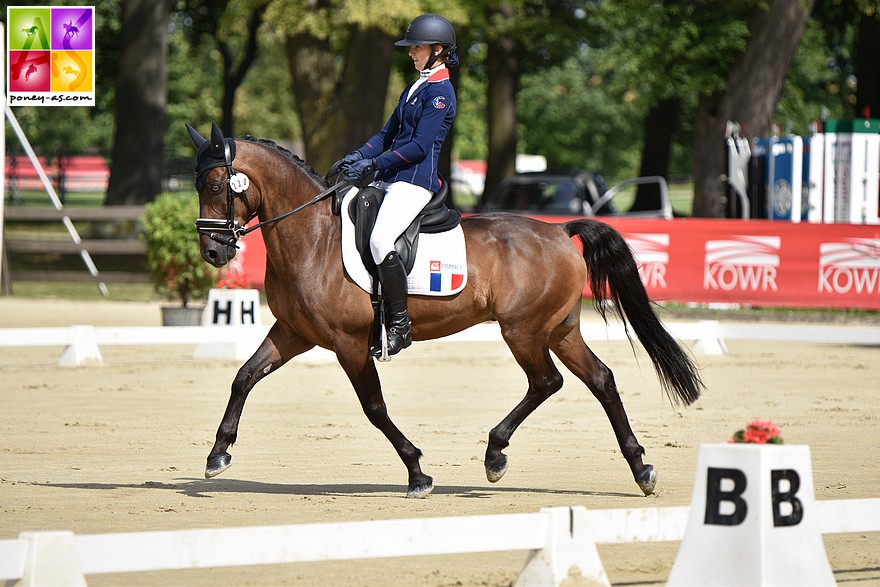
<point x="212" y="254"/>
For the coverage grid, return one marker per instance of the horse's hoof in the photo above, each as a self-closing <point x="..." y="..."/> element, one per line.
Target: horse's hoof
<point x="496" y="470"/>
<point x="647" y="480"/>
<point x="421" y="489"/>
<point x="217" y="464"/>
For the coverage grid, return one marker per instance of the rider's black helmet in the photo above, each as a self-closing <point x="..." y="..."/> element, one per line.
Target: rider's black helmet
<point x="428" y="29"/>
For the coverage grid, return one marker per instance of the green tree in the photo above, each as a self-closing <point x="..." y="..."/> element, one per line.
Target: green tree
<point x="233" y="27"/>
<point x="568" y="114"/>
<point x="731" y="58"/>
<point x="502" y="86"/>
<point x="141" y="96"/>
<point x="520" y="36"/>
<point x="194" y="82"/>
<point x="339" y="55"/>
<point x="753" y="86"/>
<point x="660" y="56"/>
<point x="852" y="33"/>
<point x="812" y="86"/>
<point x="867" y="63"/>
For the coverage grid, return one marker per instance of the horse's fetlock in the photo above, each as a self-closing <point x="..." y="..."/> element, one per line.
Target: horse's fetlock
<point x="410" y="452"/>
<point x="632" y="449"/>
<point x="227" y="433"/>
<point x="498" y="440"/>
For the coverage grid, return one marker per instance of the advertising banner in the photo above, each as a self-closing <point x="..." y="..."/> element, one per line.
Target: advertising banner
<point x="755" y="263"/>
<point x="758" y="263"/>
<point x="852" y="171"/>
<point x="786" y="179"/>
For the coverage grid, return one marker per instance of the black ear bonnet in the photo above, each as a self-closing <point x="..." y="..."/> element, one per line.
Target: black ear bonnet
<point x="217" y="152"/>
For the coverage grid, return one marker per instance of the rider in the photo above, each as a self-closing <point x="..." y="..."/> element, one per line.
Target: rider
<point x="405" y="154"/>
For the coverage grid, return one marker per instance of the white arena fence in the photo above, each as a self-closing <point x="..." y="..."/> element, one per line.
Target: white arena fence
<point x="556" y="538"/>
<point x="82" y="342"/>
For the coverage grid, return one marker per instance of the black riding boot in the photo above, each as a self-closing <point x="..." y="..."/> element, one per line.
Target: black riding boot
<point x="392" y="276"/>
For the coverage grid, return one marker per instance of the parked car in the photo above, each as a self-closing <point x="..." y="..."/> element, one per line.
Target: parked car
<point x="567" y="194"/>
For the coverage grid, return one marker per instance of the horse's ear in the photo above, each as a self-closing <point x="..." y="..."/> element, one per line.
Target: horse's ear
<point x="216" y="138"/>
<point x="197" y="139"/>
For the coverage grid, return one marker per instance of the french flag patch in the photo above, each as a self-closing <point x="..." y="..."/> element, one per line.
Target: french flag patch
<point x="445" y="277"/>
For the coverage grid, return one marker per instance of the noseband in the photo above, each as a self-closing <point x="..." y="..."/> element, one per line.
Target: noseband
<point x="227" y="231"/>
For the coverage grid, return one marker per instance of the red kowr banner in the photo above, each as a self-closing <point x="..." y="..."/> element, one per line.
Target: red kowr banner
<point x="749" y="262"/>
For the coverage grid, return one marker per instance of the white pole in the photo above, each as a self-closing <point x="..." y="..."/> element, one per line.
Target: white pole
<point x="71" y="230"/>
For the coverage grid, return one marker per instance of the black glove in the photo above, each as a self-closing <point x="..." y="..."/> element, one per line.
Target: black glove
<point x="359" y="170"/>
<point x="352" y="157"/>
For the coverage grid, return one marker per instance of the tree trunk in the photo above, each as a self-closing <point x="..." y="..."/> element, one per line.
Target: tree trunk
<point x="339" y="112"/>
<point x="141" y="94"/>
<point x="868" y="66"/>
<point x="660" y="124"/>
<point x="234" y="76"/>
<point x="753" y="87"/>
<point x="503" y="81"/>
<point x="363" y="90"/>
<point x="445" y="161"/>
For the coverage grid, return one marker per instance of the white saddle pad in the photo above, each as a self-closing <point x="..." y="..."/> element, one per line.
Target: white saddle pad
<point x="440" y="268"/>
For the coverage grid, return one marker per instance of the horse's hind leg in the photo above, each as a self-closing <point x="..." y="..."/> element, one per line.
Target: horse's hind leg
<point x="275" y="350"/>
<point x="580" y="360"/>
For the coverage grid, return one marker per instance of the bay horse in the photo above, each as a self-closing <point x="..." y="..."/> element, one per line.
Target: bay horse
<point x="525" y="274"/>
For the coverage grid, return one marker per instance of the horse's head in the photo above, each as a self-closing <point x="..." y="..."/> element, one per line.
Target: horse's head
<point x="224" y="208"/>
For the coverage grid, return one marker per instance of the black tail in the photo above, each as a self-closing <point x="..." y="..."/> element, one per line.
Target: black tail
<point x="614" y="277"/>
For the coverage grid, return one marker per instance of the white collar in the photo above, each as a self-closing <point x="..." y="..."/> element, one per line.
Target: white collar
<point x="426" y="73"/>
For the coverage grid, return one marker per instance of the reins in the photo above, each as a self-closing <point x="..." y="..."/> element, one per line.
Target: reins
<point x="326" y="193"/>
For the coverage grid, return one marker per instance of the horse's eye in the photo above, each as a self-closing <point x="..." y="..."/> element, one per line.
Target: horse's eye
<point x="215" y="187"/>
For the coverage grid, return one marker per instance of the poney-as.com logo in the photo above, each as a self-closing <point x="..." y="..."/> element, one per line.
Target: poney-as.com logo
<point x="50" y="56"/>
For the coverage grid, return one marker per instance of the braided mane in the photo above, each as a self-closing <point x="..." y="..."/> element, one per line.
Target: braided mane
<point x="308" y="169"/>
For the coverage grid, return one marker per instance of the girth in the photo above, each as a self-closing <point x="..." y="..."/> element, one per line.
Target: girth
<point x="434" y="217"/>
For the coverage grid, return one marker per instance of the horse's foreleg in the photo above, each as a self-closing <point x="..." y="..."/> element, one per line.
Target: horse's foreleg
<point x="275" y="350"/>
<point x="580" y="360"/>
<point x="361" y="370"/>
<point x="544" y="380"/>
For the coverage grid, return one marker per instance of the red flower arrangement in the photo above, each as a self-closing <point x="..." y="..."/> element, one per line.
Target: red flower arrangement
<point x="232" y="280"/>
<point x="758" y="432"/>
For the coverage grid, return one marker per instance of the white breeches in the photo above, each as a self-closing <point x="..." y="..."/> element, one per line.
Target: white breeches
<point x="403" y="202"/>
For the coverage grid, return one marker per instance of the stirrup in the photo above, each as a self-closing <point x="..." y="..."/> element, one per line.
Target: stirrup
<point x="381" y="350"/>
<point x="381" y="345"/>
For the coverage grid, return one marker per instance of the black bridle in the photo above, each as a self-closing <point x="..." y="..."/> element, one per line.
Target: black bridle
<point x="227" y="231"/>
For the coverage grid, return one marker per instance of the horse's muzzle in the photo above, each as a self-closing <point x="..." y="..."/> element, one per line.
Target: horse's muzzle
<point x="219" y="238"/>
<point x="216" y="253"/>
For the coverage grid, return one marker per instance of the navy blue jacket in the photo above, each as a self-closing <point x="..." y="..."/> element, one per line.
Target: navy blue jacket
<point x="408" y="147"/>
